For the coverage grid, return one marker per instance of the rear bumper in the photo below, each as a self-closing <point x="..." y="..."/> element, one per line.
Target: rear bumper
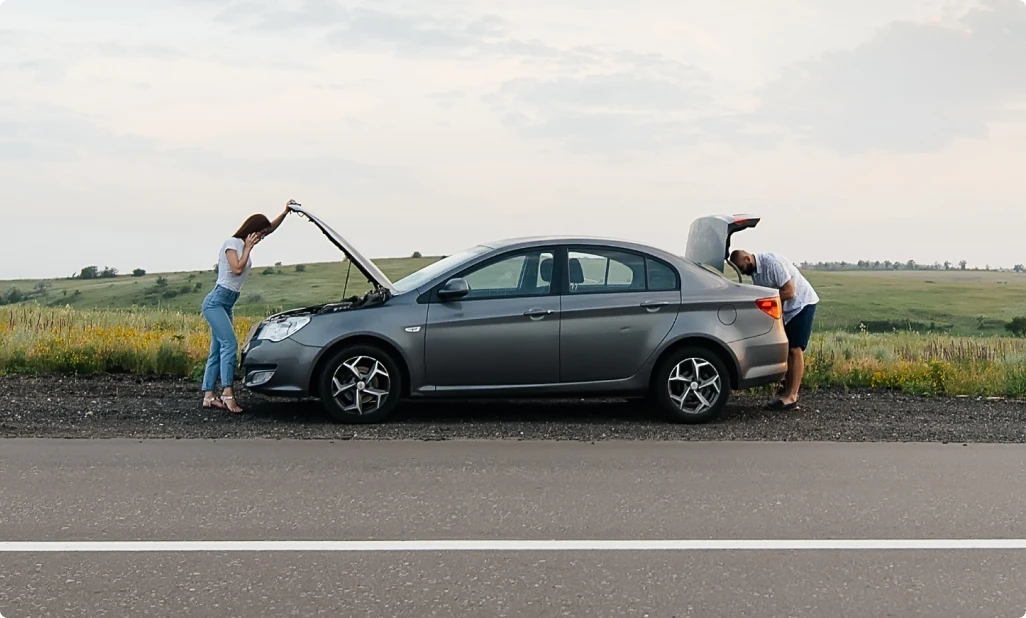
<point x="762" y="360"/>
<point x="281" y="369"/>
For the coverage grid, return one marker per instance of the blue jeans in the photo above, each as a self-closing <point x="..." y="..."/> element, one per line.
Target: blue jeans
<point x="224" y="345"/>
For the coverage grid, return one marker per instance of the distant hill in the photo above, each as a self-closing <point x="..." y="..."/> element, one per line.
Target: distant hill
<point x="957" y="302"/>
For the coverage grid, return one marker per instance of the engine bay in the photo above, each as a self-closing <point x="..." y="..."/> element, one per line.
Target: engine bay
<point x="374" y="298"/>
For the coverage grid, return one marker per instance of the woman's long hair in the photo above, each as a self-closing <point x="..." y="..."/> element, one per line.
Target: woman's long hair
<point x="254" y="225"/>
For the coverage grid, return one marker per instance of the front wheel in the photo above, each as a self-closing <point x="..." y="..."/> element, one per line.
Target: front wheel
<point x="360" y="384"/>
<point x="692" y="386"/>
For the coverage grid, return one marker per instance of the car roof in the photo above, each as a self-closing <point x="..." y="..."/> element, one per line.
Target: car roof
<point x="530" y="241"/>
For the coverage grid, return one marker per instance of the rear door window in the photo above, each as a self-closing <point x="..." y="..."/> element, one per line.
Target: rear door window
<point x="597" y="270"/>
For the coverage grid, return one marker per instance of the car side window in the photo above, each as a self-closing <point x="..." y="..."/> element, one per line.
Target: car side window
<point x="517" y="275"/>
<point x="598" y="270"/>
<point x="661" y="277"/>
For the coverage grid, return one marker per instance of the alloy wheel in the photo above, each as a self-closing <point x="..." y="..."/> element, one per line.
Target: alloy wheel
<point x="361" y="385"/>
<point x="694" y="385"/>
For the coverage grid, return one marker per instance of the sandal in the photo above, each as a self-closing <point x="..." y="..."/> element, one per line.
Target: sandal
<point x="212" y="402"/>
<point x="231" y="407"/>
<point x="780" y="406"/>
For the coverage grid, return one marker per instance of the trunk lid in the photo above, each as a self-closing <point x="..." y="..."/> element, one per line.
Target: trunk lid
<point x="709" y="238"/>
<point x="374" y="275"/>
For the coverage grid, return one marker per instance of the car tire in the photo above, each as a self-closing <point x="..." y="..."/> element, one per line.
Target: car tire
<point x="360" y="384"/>
<point x="674" y="392"/>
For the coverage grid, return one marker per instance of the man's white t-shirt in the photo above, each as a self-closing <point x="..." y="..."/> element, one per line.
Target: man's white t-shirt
<point x="225" y="277"/>
<point x="774" y="271"/>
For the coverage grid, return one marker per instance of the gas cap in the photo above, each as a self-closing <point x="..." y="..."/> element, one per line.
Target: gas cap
<point x="727" y="314"/>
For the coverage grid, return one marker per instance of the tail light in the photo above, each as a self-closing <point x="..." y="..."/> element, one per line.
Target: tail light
<point x="771" y="307"/>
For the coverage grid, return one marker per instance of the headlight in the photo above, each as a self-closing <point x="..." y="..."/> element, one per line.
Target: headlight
<point x="276" y="331"/>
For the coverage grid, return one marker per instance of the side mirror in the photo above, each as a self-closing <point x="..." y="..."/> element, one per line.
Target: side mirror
<point x="454" y="289"/>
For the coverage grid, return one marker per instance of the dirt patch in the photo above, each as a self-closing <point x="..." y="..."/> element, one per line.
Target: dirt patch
<point x="131" y="407"/>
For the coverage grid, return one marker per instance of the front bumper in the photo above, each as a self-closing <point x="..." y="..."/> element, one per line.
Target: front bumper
<point x="281" y="368"/>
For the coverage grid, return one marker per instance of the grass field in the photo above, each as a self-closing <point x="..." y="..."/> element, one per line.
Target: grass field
<point x="959" y="303"/>
<point x="917" y="331"/>
<point x="154" y="341"/>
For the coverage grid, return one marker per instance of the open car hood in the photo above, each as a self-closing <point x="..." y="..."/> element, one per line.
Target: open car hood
<point x="374" y="275"/>
<point x="709" y="238"/>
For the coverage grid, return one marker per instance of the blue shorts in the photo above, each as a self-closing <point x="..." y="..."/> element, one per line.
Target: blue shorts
<point x="799" y="329"/>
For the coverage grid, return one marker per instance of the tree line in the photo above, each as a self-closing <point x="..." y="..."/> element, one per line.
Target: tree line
<point x="898" y="265"/>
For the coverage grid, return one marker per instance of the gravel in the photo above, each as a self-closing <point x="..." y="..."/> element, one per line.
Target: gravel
<point x="132" y="407"/>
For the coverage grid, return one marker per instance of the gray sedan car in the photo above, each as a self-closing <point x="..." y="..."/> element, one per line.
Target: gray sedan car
<point x="530" y="318"/>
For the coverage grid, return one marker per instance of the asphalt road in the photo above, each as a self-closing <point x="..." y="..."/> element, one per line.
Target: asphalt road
<point x="280" y="490"/>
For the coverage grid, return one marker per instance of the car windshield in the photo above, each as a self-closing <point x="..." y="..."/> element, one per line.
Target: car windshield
<point x="429" y="272"/>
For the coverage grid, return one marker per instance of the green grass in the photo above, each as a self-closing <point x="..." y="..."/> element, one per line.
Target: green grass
<point x="956" y="303"/>
<point x="263" y="294"/>
<point x="41" y="340"/>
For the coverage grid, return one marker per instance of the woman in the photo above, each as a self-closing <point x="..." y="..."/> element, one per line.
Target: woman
<point x="233" y="266"/>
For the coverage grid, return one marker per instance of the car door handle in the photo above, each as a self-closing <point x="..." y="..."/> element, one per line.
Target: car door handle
<point x="654" y="304"/>
<point x="538" y="313"/>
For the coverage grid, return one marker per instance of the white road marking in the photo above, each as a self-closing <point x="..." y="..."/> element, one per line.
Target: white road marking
<point x="510" y="545"/>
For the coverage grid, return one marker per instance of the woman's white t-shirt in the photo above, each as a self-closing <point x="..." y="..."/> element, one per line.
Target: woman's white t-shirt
<point x="225" y="277"/>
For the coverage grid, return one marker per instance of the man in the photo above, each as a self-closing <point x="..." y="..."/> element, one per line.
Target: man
<point x="774" y="271"/>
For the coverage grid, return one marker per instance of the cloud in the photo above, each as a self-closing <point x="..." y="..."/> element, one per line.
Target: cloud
<point x="272" y="17"/>
<point x="47" y="134"/>
<point x="623" y="91"/>
<point x="144" y="50"/>
<point x="40" y="69"/>
<point x="913" y="88"/>
<point x="413" y="33"/>
<point x="10" y="37"/>
<point x="638" y="105"/>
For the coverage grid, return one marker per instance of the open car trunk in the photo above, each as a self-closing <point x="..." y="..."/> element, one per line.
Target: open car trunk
<point x="709" y="240"/>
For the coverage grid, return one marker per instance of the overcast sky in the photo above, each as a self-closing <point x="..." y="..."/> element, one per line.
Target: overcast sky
<point x="140" y="133"/>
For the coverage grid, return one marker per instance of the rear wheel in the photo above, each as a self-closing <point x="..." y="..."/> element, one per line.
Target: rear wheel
<point x="692" y="386"/>
<point x="360" y="384"/>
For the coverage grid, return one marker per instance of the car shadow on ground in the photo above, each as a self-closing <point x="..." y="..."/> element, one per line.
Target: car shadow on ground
<point x="433" y="412"/>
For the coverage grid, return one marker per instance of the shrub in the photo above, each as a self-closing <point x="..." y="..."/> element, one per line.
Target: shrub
<point x="277" y="264"/>
<point x="89" y="272"/>
<point x="254" y="297"/>
<point x="185" y="289"/>
<point x="173" y="360"/>
<point x="197" y="287"/>
<point x="161" y="282"/>
<point x="14" y="295"/>
<point x="300" y="268"/>
<point x="138" y="272"/>
<point x="108" y="273"/>
<point x="1017" y="327"/>
<point x="268" y="271"/>
<point x="417" y="255"/>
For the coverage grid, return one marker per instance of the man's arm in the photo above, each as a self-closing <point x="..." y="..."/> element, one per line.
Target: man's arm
<point x="787" y="291"/>
<point x="781" y="278"/>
